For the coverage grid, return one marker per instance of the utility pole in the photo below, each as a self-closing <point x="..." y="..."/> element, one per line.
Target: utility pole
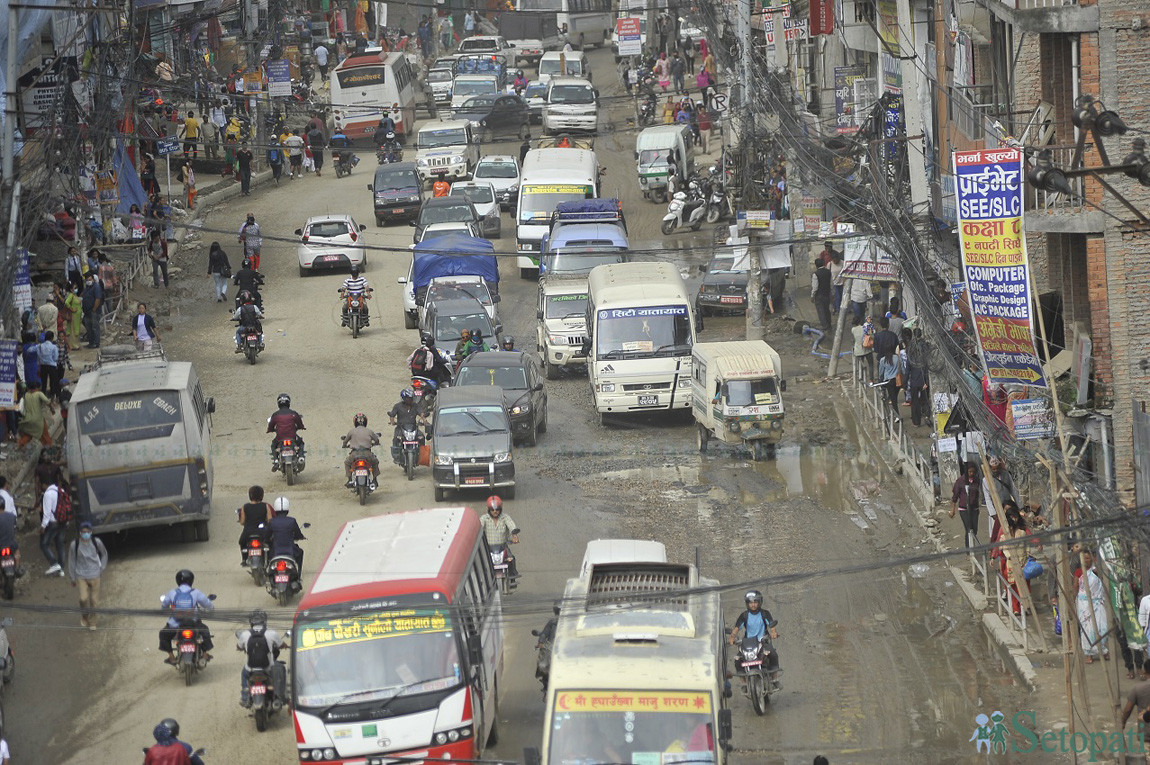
<point x="10" y="100"/>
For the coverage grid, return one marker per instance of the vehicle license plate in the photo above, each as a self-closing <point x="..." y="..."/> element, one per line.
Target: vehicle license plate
<point x="477" y="481"/>
<point x="752" y="663"/>
<point x="255" y="553"/>
<point x="330" y="258"/>
<point x="286" y="452"/>
<point x="361" y="471"/>
<point x="9" y="563"/>
<point x="253" y="338"/>
<point x="648" y="400"/>
<point x="411" y="443"/>
<point x="730" y="299"/>
<point x="187" y="647"/>
<point x="500" y="566"/>
<point x="280" y="578"/>
<point x="259" y="689"/>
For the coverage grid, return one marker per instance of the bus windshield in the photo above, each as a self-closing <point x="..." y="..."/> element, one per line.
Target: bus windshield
<point x="432" y="139"/>
<point x="629" y="333"/>
<point x="581" y="258"/>
<point x="129" y="417"/>
<point x="540" y="201"/>
<point x="566" y="306"/>
<point x="375" y="656"/>
<point x="631" y="726"/>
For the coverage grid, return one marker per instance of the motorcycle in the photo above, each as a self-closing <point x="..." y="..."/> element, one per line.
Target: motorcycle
<point x="409" y="450"/>
<point x="289" y="458"/>
<point x="255" y="560"/>
<point x="8" y="572"/>
<point x="425" y="390"/>
<point x="250" y="343"/>
<point x="266" y="686"/>
<point x="189" y="646"/>
<point x="388" y="153"/>
<point x="718" y="203"/>
<point x="343" y="161"/>
<point x="501" y="565"/>
<point x="283" y="578"/>
<point x="685" y="210"/>
<point x="355" y="311"/>
<point x="545" y="639"/>
<point x="751" y="661"/>
<point x="362" y="481"/>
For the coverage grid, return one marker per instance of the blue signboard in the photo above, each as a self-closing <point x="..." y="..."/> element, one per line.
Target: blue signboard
<point x="22" y="285"/>
<point x="9" y="353"/>
<point x="166" y="146"/>
<point x="279" y="77"/>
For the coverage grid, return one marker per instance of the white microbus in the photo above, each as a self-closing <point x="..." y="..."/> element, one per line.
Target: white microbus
<point x="549" y="176"/>
<point x="589" y="22"/>
<point x="641" y="327"/>
<point x="636" y="671"/>
<point x="367" y="87"/>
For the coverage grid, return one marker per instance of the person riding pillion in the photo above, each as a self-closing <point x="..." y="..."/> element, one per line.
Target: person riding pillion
<point x="248" y="316"/>
<point x="430" y="362"/>
<point x="359" y="440"/>
<point x="283" y="532"/>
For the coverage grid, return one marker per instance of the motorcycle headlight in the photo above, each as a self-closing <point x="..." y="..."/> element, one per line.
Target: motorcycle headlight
<point x="520" y="409"/>
<point x="503" y="457"/>
<point x="749" y="654"/>
<point x="442" y="460"/>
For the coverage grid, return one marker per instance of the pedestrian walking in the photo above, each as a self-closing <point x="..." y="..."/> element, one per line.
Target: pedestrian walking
<point x="703" y="115"/>
<point x="250" y="237"/>
<point x="190" y="131"/>
<point x="158" y="252"/>
<point x="87" y="559"/>
<point x="917" y="380"/>
<point x="678" y="69"/>
<point x="859" y="296"/>
<point x="294" y="145"/>
<point x="210" y="136"/>
<point x="863" y="349"/>
<point x="322" y="57"/>
<point x="965" y="496"/>
<point x="71" y="313"/>
<point x="446" y="32"/>
<point x="276" y="159"/>
<point x="821" y="293"/>
<point x="49" y="354"/>
<point x="315" y="142"/>
<point x="74" y="268"/>
<point x="423" y="32"/>
<point x="56" y="508"/>
<point x="468" y="24"/>
<point x="1093" y="620"/>
<point x="689" y="54"/>
<point x="30" y="357"/>
<point x="144" y="329"/>
<point x="148" y="176"/>
<point x="244" y="162"/>
<point x="703" y="81"/>
<point x="838" y="281"/>
<point x="34" y="417"/>
<point x="92" y="305"/>
<point x="187" y="177"/>
<point x="220" y="269"/>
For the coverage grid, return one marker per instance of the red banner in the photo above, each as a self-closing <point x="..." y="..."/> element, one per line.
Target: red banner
<point x="822" y="17"/>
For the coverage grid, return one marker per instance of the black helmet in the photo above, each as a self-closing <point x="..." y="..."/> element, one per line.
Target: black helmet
<point x="407" y="395"/>
<point x="247" y="262"/>
<point x="258" y="618"/>
<point x="494" y="503"/>
<point x="754" y="596"/>
<point x="477" y="333"/>
<point x="184" y="576"/>
<point x="427" y="338"/>
<point x="172" y="726"/>
<point x="360" y="420"/>
<point x="354" y="270"/>
<point x="283" y="400"/>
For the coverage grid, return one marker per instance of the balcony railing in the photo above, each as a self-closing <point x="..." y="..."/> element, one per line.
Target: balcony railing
<point x="1040" y="201"/>
<point x="1026" y="5"/>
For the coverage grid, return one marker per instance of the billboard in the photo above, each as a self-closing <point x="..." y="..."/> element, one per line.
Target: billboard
<point x="994" y="262"/>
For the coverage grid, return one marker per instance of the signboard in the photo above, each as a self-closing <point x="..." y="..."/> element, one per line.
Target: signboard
<point x="822" y="17"/>
<point x="279" y="77"/>
<point x="253" y="82"/>
<point x="43" y="91"/>
<point x="759" y="219"/>
<point x="863" y="259"/>
<point x="812" y="213"/>
<point x="995" y="266"/>
<point x="633" y="701"/>
<point x="1032" y="418"/>
<point x="957" y="290"/>
<point x="22" y="284"/>
<point x="790" y="27"/>
<point x="166" y="146"/>
<point x="630" y="41"/>
<point x="845" y="105"/>
<point x="9" y="355"/>
<point x="385" y="624"/>
<point x="107" y="190"/>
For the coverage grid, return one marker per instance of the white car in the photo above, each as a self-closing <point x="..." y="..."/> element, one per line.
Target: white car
<point x="458" y="286"/>
<point x="330" y="241"/>
<point x="443" y="229"/>
<point x="502" y="172"/>
<point x="439" y="80"/>
<point x="464" y="86"/>
<point x="482" y="44"/>
<point x="482" y="196"/>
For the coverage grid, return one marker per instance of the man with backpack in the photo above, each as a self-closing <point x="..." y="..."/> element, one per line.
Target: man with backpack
<point x="87" y="559"/>
<point x="261" y="646"/>
<point x="186" y="602"/>
<point x="54" y="520"/>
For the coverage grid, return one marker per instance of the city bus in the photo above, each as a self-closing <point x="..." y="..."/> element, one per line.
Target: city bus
<point x="636" y="670"/>
<point x="641" y="327"/>
<point x="589" y="22"/>
<point x="548" y="177"/>
<point x="397" y="648"/>
<point x="364" y="88"/>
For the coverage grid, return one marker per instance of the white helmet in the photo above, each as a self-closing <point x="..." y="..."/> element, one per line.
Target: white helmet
<point x="281" y="505"/>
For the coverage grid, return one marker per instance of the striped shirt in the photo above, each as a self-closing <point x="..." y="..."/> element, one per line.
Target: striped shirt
<point x="358" y="284"/>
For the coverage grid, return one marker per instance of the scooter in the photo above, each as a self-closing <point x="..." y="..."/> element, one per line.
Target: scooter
<point x="685" y="210"/>
<point x="355" y="314"/>
<point x="254" y="563"/>
<point x="283" y="578"/>
<point x="718" y="203"/>
<point x="289" y="457"/>
<point x="753" y="657"/>
<point x="362" y="481"/>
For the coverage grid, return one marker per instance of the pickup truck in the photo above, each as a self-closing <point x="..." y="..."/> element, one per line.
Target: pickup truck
<point x="529" y="33"/>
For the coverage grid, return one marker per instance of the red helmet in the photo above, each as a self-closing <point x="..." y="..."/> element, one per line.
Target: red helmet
<point x="494" y="503"/>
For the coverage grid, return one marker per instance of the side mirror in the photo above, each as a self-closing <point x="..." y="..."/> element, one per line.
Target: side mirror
<point x="299" y="232"/>
<point x="211" y="405"/>
<point x="516" y="531"/>
<point x="726" y="729"/>
<point x="539" y="315"/>
<point x="783" y="386"/>
<point x="538" y="386"/>
<point x="510" y="45"/>
<point x="534" y="633"/>
<point x="411" y="223"/>
<point x="475" y="651"/>
<point x="636" y="156"/>
<point x="212" y="596"/>
<point x="370" y="187"/>
<point x="362" y="227"/>
<point x="587" y="347"/>
<point x="307" y="525"/>
<point x="401" y="280"/>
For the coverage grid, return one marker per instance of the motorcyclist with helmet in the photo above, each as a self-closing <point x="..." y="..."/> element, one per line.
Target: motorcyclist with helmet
<point x="755" y="622"/>
<point x="500" y="530"/>
<point x="249" y="280"/>
<point x="355" y="282"/>
<point x="508" y="343"/>
<point x="247" y="317"/>
<point x="283" y="532"/>
<point x="520" y="83"/>
<point x="340" y="148"/>
<point x="261" y="647"/>
<point x="186" y="602"/>
<point x="359" y="440"/>
<point x="475" y="343"/>
<point x="385" y="126"/>
<point x="169" y="750"/>
<point x="285" y="422"/>
<point x="431" y="363"/>
<point x="405" y="415"/>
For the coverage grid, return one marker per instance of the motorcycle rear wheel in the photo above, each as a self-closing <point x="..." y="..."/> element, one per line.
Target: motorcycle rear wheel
<point x="282" y="600"/>
<point x="289" y="473"/>
<point x="258" y="575"/>
<point x="261" y="715"/>
<point x="9" y="588"/>
<point x="362" y="494"/>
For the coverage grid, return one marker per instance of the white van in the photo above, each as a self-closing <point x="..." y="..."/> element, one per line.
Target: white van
<point x="651" y="148"/>
<point x="549" y="176"/>
<point x="550" y="65"/>
<point x="571" y="105"/>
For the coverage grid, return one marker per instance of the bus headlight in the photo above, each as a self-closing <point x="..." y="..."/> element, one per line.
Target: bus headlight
<point x="503" y="457"/>
<point x="453" y="735"/>
<point x="442" y="460"/>
<point x="329" y="753"/>
<point x="441" y="738"/>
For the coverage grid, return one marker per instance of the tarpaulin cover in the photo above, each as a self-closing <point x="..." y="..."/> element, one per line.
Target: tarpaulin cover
<point x="589" y="206"/>
<point x="454" y="255"/>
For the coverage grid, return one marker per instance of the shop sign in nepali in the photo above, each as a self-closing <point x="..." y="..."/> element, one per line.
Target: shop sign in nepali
<point x="846" y="122"/>
<point x="997" y="274"/>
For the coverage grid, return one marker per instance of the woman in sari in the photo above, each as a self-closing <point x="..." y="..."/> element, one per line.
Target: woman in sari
<point x="1091" y="606"/>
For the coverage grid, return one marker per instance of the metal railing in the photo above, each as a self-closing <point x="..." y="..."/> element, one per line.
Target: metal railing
<point x="130" y="261"/>
<point x="1039" y="200"/>
<point x="1005" y="600"/>
<point x="1026" y="5"/>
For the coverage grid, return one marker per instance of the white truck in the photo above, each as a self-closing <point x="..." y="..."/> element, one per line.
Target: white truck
<point x="529" y="33"/>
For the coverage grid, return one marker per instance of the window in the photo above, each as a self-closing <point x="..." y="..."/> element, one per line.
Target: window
<point x="198" y="403"/>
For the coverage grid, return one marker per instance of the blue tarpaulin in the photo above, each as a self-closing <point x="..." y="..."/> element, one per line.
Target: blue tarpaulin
<point x="454" y="255"/>
<point x="131" y="190"/>
<point x="611" y="206"/>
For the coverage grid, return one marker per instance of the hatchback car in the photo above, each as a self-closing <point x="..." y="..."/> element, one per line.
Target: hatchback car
<point x="502" y="172"/>
<point x="443" y="210"/>
<point x="330" y="241"/>
<point x="517" y="374"/>
<point x="724" y="287"/>
<point x="471" y="442"/>
<point x="451" y="227"/>
<point x="496" y="115"/>
<point x="482" y="196"/>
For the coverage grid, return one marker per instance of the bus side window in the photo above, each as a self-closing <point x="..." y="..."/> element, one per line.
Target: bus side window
<point x="469" y="607"/>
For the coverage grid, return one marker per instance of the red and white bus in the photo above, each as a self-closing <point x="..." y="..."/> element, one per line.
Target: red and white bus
<point x="397" y="648"/>
<point x="366" y="87"/>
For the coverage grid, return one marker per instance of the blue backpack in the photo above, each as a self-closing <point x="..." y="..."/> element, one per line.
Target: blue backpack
<point x="184" y="600"/>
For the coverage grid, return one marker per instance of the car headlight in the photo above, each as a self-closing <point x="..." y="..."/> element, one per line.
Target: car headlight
<point x="521" y="409"/>
<point x="606" y="387"/>
<point x="456" y="160"/>
<point x="513" y="188"/>
<point x="442" y="460"/>
<point x="503" y="457"/>
<point x="557" y="339"/>
<point x="413" y="198"/>
<point x="421" y="162"/>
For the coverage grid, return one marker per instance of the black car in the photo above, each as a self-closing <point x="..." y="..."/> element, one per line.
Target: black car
<point x="396" y="192"/>
<point x="444" y="210"/>
<point x="724" y="287"/>
<point x="517" y="374"/>
<point x="471" y="442"/>
<point x="500" y="115"/>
